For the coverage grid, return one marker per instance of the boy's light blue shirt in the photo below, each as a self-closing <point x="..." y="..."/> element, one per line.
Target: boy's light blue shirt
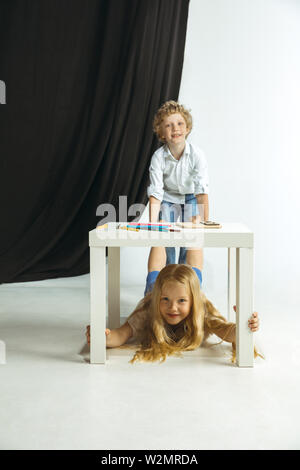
<point x="171" y="179"/>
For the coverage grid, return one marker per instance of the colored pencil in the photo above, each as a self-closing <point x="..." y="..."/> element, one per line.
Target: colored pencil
<point x="149" y="224"/>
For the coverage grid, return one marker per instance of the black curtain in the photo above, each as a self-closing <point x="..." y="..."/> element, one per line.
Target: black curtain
<point x="83" y="81"/>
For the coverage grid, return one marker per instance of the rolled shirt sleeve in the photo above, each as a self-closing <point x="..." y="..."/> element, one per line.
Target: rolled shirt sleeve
<point x="200" y="173"/>
<point x="156" y="187"/>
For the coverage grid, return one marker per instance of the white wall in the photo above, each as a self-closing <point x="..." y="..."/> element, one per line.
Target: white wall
<point x="241" y="80"/>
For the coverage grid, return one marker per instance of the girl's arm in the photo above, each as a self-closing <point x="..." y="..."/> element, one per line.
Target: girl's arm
<point x="227" y="332"/>
<point x="218" y="325"/>
<point x="114" y="338"/>
<point x="135" y="322"/>
<point x="119" y="336"/>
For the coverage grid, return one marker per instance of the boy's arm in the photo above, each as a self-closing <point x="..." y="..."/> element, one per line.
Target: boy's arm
<point x="155" y="190"/>
<point x="154" y="208"/>
<point x="202" y="200"/>
<point x="201" y="184"/>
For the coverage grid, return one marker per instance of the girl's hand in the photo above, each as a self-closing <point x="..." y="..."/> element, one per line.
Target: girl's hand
<point x="87" y="334"/>
<point x="253" y="321"/>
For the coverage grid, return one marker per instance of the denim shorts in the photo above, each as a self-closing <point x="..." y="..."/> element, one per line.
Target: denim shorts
<point x="171" y="212"/>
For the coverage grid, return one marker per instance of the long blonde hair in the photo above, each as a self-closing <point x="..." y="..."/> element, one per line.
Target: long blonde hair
<point x="157" y="343"/>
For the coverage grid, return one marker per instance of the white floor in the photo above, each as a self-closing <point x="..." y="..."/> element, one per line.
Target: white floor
<point x="51" y="398"/>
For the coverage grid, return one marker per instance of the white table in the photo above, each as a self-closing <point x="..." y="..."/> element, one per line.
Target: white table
<point x="237" y="238"/>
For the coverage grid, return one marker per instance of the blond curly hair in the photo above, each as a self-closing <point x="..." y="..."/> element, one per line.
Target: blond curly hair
<point x="171" y="107"/>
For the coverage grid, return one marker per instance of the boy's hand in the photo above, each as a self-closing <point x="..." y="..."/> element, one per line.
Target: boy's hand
<point x="253" y="321"/>
<point x="196" y="219"/>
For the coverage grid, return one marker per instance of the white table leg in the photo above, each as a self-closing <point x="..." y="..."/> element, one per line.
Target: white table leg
<point x="244" y="291"/>
<point x="231" y="296"/>
<point x="98" y="305"/>
<point x="113" y="287"/>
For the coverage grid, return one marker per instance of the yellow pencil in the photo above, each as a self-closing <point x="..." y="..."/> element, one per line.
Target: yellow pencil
<point x="130" y="228"/>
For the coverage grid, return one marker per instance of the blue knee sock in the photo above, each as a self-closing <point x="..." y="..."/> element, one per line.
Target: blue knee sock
<point x="150" y="281"/>
<point x="152" y="275"/>
<point x="199" y="274"/>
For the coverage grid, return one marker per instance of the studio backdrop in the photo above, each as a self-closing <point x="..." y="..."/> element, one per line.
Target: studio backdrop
<point x="83" y="81"/>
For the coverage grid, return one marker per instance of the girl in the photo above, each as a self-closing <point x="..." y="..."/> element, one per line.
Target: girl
<point x="174" y="317"/>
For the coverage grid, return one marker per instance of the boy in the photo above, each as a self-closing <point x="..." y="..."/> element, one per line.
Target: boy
<point x="178" y="183"/>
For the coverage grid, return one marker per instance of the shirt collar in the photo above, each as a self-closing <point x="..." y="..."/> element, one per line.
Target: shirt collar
<point x="187" y="150"/>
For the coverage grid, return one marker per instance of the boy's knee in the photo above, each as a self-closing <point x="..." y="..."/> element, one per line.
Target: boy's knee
<point x="150" y="281"/>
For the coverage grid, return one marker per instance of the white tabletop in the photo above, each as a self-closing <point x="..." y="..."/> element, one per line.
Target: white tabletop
<point x="230" y="235"/>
